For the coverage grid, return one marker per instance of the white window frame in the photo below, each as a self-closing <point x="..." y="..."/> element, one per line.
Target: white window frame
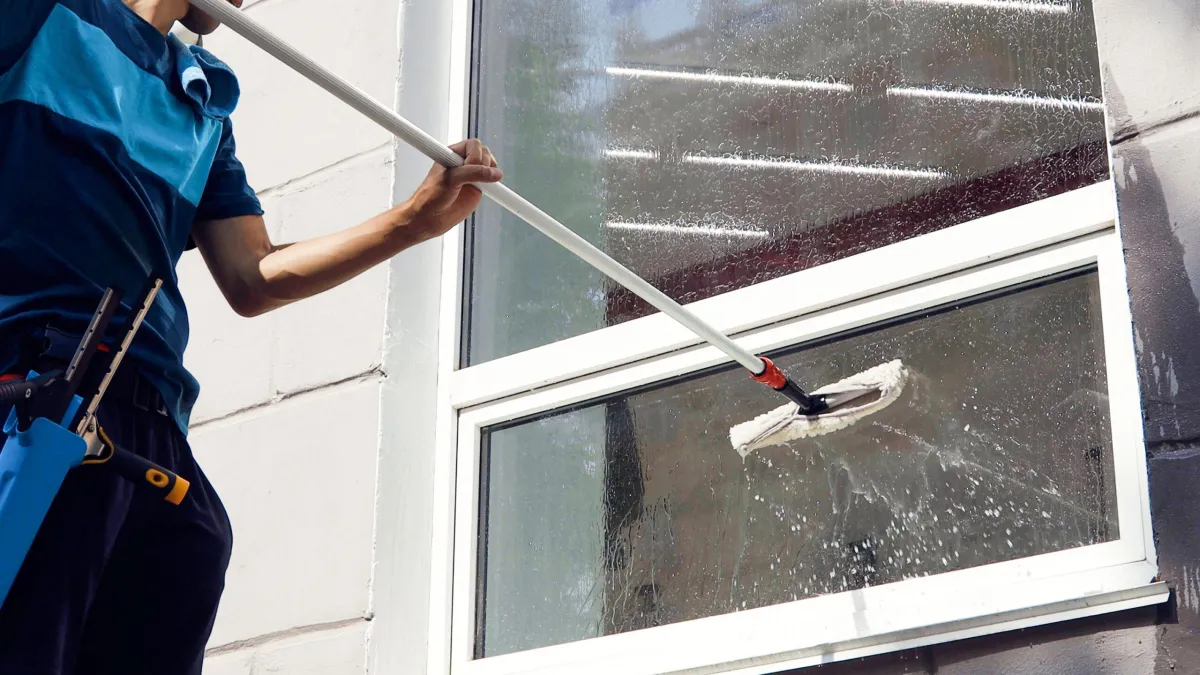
<point x="1069" y="231"/>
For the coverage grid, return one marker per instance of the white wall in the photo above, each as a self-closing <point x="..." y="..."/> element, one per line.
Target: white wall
<point x="289" y="426"/>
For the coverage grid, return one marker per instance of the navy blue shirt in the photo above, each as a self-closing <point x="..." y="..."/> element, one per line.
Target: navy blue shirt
<point x="114" y="139"/>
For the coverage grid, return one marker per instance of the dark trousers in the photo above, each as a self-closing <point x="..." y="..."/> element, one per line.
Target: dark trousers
<point x="119" y="581"/>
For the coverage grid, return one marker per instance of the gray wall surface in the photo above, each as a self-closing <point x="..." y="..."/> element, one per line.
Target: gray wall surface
<point x="1150" y="52"/>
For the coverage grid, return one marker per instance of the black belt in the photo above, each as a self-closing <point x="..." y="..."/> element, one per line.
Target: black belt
<point x="51" y="347"/>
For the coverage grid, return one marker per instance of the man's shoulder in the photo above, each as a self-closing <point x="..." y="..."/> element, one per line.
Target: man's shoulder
<point x="20" y="21"/>
<point x="206" y="79"/>
<point x="106" y="32"/>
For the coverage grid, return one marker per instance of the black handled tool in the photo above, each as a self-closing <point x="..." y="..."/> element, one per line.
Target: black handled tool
<point x="138" y="469"/>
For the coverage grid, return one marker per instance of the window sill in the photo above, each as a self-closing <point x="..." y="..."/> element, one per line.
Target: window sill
<point x="825" y="629"/>
<point x="1040" y="615"/>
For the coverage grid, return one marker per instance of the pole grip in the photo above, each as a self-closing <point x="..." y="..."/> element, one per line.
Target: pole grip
<point x="138" y="469"/>
<point x="15" y="391"/>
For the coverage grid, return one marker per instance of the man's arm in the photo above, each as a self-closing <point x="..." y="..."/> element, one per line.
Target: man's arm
<point x="257" y="276"/>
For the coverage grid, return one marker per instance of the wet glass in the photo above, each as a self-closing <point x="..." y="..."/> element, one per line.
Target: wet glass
<point x="710" y="145"/>
<point x="635" y="511"/>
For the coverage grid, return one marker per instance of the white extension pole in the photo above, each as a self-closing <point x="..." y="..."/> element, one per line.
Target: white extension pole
<point x="502" y="195"/>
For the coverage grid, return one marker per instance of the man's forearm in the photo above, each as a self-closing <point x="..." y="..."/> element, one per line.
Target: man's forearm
<point x="291" y="272"/>
<point x="257" y="276"/>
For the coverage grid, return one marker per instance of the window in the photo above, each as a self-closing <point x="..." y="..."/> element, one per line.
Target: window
<point x="838" y="183"/>
<point x="630" y="512"/>
<point x="713" y="145"/>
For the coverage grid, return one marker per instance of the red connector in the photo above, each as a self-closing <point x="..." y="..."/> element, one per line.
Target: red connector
<point x="773" y="377"/>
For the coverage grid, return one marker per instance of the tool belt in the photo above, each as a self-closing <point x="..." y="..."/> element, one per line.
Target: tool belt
<point x="52" y="347"/>
<point x="56" y="423"/>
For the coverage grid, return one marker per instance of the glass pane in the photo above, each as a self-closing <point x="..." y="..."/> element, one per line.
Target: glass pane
<point x="635" y="511"/>
<point x="713" y="144"/>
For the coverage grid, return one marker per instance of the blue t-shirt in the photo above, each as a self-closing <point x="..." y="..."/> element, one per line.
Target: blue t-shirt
<point x="114" y="139"/>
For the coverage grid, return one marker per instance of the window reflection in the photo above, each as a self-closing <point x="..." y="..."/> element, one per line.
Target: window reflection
<point x="713" y="145"/>
<point x="635" y="512"/>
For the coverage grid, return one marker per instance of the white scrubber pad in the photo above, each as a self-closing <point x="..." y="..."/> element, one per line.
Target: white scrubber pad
<point x="783" y="424"/>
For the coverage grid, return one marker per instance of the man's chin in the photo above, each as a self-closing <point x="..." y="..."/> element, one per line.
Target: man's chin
<point x="199" y="23"/>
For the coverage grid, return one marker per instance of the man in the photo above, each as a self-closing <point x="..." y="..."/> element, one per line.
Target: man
<point x="116" y="155"/>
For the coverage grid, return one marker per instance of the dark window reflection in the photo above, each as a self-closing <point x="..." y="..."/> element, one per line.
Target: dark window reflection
<point x="635" y="511"/>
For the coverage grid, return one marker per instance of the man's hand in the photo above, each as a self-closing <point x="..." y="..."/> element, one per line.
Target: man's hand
<point x="257" y="276"/>
<point x="446" y="197"/>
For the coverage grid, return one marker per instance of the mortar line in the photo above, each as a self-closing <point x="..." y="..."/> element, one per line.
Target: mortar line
<point x="286" y="396"/>
<point x="1132" y="131"/>
<point x="298" y="181"/>
<point x="1174" y="450"/>
<point x="267" y="638"/>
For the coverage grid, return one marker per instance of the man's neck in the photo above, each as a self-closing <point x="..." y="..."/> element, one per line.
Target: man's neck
<point x="162" y="14"/>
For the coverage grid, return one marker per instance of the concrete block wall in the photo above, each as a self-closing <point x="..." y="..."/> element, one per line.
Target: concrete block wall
<point x="1150" y="50"/>
<point x="288" y="422"/>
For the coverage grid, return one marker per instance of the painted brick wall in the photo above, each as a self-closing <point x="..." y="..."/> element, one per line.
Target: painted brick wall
<point x="288" y="422"/>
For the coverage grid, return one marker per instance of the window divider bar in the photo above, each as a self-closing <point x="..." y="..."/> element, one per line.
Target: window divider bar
<point x="919" y="296"/>
<point x="1003" y="235"/>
